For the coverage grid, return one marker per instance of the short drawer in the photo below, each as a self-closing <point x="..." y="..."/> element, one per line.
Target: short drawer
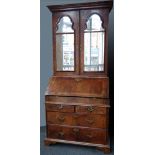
<point x="60" y="132"/>
<point x="60" y="118"/>
<point x="91" y="109"/>
<point x="59" y="107"/>
<point x="73" y="119"/>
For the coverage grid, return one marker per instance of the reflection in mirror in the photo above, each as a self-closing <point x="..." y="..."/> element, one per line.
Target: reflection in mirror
<point x="94" y="45"/>
<point x="65" y="52"/>
<point x="94" y="23"/>
<point x="65" y="25"/>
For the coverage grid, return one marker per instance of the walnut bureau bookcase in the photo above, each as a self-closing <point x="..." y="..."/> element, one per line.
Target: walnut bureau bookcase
<point x="77" y="96"/>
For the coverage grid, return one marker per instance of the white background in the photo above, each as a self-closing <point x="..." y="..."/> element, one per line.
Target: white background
<point x="134" y="77"/>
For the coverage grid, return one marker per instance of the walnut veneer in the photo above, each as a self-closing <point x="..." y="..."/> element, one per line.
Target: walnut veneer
<point x="77" y="102"/>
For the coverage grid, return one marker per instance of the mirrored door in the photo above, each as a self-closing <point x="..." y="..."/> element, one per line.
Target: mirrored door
<point x="93" y="42"/>
<point x="94" y="45"/>
<point x="65" y="45"/>
<point x="66" y="42"/>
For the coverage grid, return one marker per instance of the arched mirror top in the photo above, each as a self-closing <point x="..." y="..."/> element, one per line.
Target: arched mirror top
<point x="65" y="25"/>
<point x="94" y="23"/>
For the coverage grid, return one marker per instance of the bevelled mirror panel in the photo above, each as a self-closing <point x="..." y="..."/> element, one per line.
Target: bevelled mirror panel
<point x="94" y="45"/>
<point x="65" y="52"/>
<point x="64" y="25"/>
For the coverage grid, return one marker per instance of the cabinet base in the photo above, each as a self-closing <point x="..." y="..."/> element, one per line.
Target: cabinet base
<point x="104" y="148"/>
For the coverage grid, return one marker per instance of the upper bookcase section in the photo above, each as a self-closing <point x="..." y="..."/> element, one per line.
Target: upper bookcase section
<point x="79" y="6"/>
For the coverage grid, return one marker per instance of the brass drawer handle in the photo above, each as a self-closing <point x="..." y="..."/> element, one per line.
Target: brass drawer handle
<point x="76" y="130"/>
<point x="89" y="136"/>
<point x="61" y="118"/>
<point x="60" y="106"/>
<point x="61" y="134"/>
<point x="90" y="109"/>
<point x="90" y="121"/>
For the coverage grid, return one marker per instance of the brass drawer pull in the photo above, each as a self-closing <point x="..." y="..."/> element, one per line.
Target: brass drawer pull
<point x="60" y="106"/>
<point x="90" y="121"/>
<point x="61" y="134"/>
<point x="61" y="118"/>
<point x="90" y="109"/>
<point x="76" y="130"/>
<point x="89" y="136"/>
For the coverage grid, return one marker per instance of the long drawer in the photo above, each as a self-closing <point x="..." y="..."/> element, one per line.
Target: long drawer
<point x="81" y="134"/>
<point x="75" y="119"/>
<point x="70" y="100"/>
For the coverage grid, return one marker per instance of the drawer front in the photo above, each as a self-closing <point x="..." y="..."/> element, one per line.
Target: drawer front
<point x="60" y="132"/>
<point x="91" y="109"/>
<point x="73" y="119"/>
<point x="88" y="135"/>
<point x="93" y="121"/>
<point x="83" y="87"/>
<point x="60" y="118"/>
<point x="59" y="107"/>
<point x="69" y="100"/>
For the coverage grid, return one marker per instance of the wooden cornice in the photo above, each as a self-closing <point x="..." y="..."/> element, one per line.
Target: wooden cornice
<point x="79" y="6"/>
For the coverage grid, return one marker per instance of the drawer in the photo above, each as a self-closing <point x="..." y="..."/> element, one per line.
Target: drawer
<point x="79" y="86"/>
<point x="80" y="134"/>
<point x="69" y="100"/>
<point x="90" y="135"/>
<point x="91" y="109"/>
<point x="59" y="107"/>
<point x="73" y="119"/>
<point x="93" y="121"/>
<point x="60" y="132"/>
<point x="60" y="118"/>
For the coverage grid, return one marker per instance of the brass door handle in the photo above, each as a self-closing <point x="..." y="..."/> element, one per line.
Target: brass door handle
<point x="90" y="109"/>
